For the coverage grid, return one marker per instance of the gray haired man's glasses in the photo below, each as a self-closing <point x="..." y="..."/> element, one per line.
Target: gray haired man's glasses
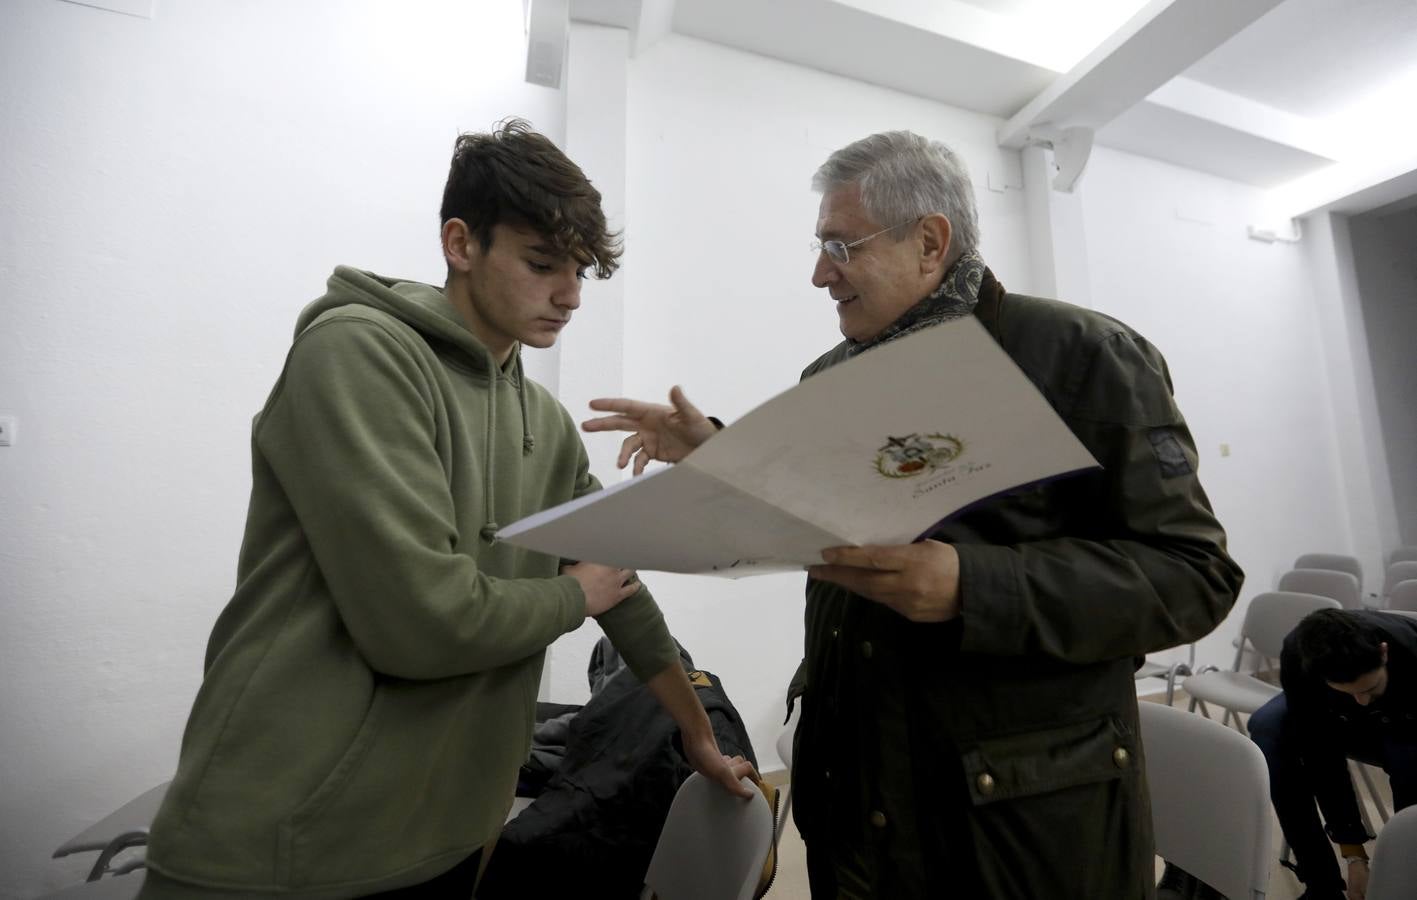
<point x="840" y="251"/>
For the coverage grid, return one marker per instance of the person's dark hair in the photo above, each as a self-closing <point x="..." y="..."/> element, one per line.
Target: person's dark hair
<point x="518" y="177"/>
<point x="1337" y="645"/>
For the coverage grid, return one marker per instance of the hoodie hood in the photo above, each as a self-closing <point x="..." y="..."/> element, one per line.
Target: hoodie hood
<point x="423" y="307"/>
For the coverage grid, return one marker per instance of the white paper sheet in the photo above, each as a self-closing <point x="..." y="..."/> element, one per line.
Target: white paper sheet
<point x="875" y="450"/>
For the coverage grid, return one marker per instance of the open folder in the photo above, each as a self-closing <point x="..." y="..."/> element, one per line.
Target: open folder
<point x="876" y="450"/>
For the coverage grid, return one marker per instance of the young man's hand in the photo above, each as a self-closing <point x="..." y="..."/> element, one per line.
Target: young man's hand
<point x="604" y="586"/>
<point x="727" y="771"/>
<point x="666" y="433"/>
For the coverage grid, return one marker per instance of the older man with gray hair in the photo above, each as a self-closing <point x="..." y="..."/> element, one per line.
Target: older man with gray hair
<point x="969" y="724"/>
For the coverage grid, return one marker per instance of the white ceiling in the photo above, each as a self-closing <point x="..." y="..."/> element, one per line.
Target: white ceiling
<point x="1267" y="92"/>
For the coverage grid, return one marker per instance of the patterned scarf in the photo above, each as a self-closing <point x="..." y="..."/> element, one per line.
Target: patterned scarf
<point x="955" y="298"/>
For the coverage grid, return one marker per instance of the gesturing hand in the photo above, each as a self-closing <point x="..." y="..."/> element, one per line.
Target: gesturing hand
<point x="604" y="586"/>
<point x="919" y="581"/>
<point x="705" y="758"/>
<point x="665" y="433"/>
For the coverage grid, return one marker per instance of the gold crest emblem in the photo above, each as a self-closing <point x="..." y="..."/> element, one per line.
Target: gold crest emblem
<point x="915" y="454"/>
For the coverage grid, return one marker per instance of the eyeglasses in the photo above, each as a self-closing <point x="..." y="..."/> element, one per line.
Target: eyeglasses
<point x="840" y="251"/>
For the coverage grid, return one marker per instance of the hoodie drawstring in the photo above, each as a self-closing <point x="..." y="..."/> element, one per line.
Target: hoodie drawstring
<point x="489" y="531"/>
<point x="528" y="439"/>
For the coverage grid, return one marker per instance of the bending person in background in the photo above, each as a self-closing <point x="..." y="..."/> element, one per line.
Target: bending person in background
<point x="1350" y="690"/>
<point x="369" y="691"/>
<point x="969" y="723"/>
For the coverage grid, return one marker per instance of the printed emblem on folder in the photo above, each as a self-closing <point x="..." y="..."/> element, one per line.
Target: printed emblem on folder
<point x="914" y="454"/>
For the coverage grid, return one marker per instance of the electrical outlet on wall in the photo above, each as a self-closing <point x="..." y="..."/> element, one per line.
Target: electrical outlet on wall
<point x="7" y="430"/>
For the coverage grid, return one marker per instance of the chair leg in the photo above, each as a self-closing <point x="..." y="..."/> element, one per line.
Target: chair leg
<point x="1372" y="790"/>
<point x="782" y="817"/>
<point x="117" y="845"/>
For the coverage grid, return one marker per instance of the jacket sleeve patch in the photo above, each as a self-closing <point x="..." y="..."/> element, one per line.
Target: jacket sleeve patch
<point x="1170" y="455"/>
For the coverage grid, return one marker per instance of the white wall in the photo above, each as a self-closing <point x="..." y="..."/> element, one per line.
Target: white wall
<point x="1237" y="320"/>
<point x="1386" y="265"/>
<point x="175" y="189"/>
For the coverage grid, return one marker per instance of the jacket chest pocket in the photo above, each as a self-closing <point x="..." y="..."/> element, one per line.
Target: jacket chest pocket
<point x="1038" y="762"/>
<point x="1060" y="813"/>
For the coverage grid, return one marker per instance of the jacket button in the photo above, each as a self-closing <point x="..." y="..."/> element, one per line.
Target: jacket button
<point x="1121" y="757"/>
<point x="836" y="632"/>
<point x="985" y="783"/>
<point x="867" y="649"/>
<point x="878" y="818"/>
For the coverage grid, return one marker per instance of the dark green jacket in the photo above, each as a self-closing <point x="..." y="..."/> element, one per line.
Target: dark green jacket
<point x="996" y="756"/>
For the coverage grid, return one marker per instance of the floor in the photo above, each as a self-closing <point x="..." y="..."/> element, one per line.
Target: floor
<point x="791" y="881"/>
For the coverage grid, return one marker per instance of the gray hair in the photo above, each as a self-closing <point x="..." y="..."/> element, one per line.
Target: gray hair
<point x="904" y="176"/>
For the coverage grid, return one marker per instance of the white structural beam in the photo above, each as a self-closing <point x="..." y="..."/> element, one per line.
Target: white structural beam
<point x="647" y="21"/>
<point x="1160" y="42"/>
<point x="1251" y="117"/>
<point x="1349" y="188"/>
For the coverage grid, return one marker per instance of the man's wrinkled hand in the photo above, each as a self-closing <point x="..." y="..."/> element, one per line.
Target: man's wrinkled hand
<point x="664" y="433"/>
<point x="919" y="581"/>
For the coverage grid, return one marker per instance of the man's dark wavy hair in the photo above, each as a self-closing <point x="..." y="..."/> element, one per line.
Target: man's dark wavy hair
<point x="516" y="176"/>
<point x="1337" y="645"/>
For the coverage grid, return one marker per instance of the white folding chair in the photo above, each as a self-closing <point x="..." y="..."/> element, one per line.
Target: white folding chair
<point x="1341" y="586"/>
<point x="1210" y="804"/>
<point x="1402" y="554"/>
<point x="1398" y="572"/>
<point x="1168" y="672"/>
<point x="1403" y="597"/>
<point x="713" y="845"/>
<point x="784" y="750"/>
<point x="1394" y="867"/>
<point x="124" y="828"/>
<point x="1336" y="562"/>
<point x="119" y="887"/>
<point x="1268" y="620"/>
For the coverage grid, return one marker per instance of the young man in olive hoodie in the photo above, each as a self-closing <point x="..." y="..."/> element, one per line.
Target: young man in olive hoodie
<point x="369" y="690"/>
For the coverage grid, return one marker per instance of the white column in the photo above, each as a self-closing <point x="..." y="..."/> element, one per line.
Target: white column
<point x="592" y="348"/>
<point x="1056" y="232"/>
<point x="1364" y="476"/>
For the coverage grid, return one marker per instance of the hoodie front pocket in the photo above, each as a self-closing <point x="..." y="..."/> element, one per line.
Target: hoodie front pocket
<point x="334" y="783"/>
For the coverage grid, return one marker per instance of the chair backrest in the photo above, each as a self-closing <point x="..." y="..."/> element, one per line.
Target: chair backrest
<point x="713" y="845"/>
<point x="1401" y="554"/>
<point x="789" y="732"/>
<point x="1210" y="804"/>
<point x="1272" y="615"/>
<point x="1398" y="572"/>
<point x="115" y="887"/>
<point x="1394" y="869"/>
<point x="1336" y="562"/>
<point x="1403" y="596"/>
<point x="1341" y="586"/>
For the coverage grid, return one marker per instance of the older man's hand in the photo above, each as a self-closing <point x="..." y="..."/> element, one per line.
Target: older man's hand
<point x="659" y="432"/>
<point x="919" y="581"/>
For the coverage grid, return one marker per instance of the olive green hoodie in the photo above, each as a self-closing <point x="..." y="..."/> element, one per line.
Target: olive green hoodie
<point x="370" y="688"/>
